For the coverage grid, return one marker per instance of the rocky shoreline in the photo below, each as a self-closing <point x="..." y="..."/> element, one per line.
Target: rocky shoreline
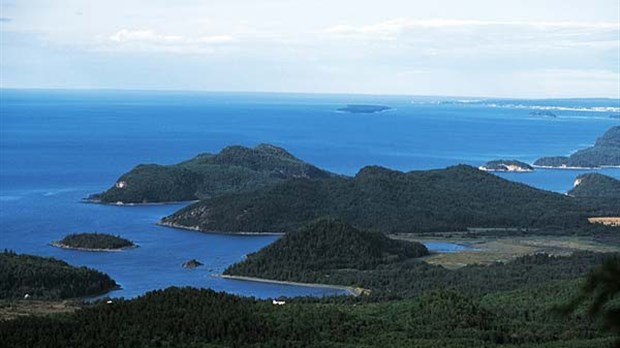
<point x="68" y="247"/>
<point x="197" y="229"/>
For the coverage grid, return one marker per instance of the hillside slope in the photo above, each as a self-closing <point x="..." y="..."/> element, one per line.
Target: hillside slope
<point x="596" y="185"/>
<point x="605" y="152"/>
<point x="48" y="278"/>
<point x="391" y="202"/>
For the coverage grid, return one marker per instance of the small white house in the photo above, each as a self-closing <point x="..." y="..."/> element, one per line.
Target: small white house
<point x="278" y="303"/>
<point x="121" y="184"/>
<point x="27" y="296"/>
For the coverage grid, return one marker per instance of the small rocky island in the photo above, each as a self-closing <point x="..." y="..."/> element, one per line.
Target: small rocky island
<point x="506" y="166"/>
<point x="191" y="264"/>
<point x="94" y="242"/>
<point x="364" y="108"/>
<point x="604" y="153"/>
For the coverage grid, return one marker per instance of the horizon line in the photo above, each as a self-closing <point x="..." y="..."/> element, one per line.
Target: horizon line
<point x="158" y="90"/>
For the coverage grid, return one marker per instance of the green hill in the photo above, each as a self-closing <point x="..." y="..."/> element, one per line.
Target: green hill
<point x="48" y="278"/>
<point x="322" y="245"/>
<point x="596" y="185"/>
<point x="390" y="201"/>
<point x="235" y="168"/>
<point x="605" y="152"/>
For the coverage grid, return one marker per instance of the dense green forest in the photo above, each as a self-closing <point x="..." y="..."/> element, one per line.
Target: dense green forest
<point x="235" y="168"/>
<point x="331" y="252"/>
<point x="322" y="245"/>
<point x="204" y="318"/>
<point x="390" y="201"/>
<point x="94" y="241"/>
<point x="518" y="304"/>
<point x="48" y="278"/>
<point x="605" y="152"/>
<point x="596" y="185"/>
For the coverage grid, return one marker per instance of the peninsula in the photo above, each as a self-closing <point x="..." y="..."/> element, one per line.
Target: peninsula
<point x="604" y="153"/>
<point x="235" y="168"/>
<point x="323" y="245"/>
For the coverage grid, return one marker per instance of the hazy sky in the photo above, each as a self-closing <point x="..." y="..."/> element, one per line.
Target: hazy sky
<point x="511" y="48"/>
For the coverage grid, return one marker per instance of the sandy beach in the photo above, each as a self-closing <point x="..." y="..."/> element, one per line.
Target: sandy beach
<point x="349" y="289"/>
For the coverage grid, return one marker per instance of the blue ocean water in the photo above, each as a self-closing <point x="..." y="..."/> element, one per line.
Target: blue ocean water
<point x="57" y="147"/>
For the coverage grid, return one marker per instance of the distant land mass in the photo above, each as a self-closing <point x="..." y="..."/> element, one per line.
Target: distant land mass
<point x="543" y="113"/>
<point x="604" y="153"/>
<point x="364" y="108"/>
<point x="235" y="168"/>
<point x="48" y="278"/>
<point x="506" y="166"/>
<point x="94" y="242"/>
<point x="596" y="185"/>
<point x="391" y="201"/>
<point x="322" y="245"/>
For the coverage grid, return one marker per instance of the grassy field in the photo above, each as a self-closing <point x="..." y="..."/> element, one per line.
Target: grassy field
<point x="11" y="309"/>
<point x="488" y="250"/>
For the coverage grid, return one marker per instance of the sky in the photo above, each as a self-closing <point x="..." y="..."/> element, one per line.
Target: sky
<point x="484" y="48"/>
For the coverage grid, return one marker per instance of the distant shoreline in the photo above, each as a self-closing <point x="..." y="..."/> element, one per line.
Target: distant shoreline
<point x="197" y="229"/>
<point x="353" y="291"/>
<point x="575" y="168"/>
<point x="68" y="247"/>
<point x="123" y="204"/>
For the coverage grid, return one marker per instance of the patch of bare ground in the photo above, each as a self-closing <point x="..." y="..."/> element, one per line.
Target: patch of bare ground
<point x="609" y="221"/>
<point x="11" y="309"/>
<point x="488" y="250"/>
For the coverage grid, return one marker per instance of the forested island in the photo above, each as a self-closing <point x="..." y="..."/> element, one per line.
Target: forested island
<point x="325" y="244"/>
<point x="390" y="201"/>
<point x="506" y="166"/>
<point x="48" y="278"/>
<point x="94" y="242"/>
<point x="364" y="108"/>
<point x="596" y="185"/>
<point x="235" y="168"/>
<point x="604" y="153"/>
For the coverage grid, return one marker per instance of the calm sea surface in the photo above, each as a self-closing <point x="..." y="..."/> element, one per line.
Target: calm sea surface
<point x="57" y="147"/>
